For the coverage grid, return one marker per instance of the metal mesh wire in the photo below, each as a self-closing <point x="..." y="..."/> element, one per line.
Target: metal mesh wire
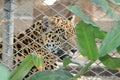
<point x="26" y="12"/>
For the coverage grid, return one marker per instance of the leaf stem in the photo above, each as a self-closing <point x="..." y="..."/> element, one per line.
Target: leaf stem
<point x="82" y="70"/>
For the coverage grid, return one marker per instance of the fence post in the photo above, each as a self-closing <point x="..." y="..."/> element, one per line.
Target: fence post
<point x="8" y="34"/>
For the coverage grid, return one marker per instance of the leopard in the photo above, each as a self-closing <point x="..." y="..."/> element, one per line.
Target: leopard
<point x="48" y="37"/>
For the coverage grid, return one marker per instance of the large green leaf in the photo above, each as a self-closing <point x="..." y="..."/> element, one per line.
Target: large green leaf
<point x="98" y="33"/>
<point x="23" y="69"/>
<point x="79" y="13"/>
<point x="52" y="75"/>
<point x="118" y="49"/>
<point x="86" y="40"/>
<point x="110" y="62"/>
<point x="111" y="41"/>
<point x="115" y="1"/>
<point x="4" y="73"/>
<point x="105" y="6"/>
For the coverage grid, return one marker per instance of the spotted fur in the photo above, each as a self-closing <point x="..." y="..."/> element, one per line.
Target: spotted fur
<point x="48" y="37"/>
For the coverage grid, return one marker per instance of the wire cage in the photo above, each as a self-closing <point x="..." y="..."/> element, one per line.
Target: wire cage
<point x="16" y="16"/>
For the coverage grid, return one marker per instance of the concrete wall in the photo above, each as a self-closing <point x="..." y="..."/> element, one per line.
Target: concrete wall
<point x="23" y="14"/>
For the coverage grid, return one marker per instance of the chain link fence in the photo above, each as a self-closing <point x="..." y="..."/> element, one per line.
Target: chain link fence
<point x="18" y="15"/>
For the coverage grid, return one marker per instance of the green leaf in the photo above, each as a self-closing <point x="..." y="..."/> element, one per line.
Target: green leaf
<point x="118" y="49"/>
<point x="52" y="75"/>
<point x="105" y="6"/>
<point x="111" y="41"/>
<point x="86" y="40"/>
<point x="110" y="62"/>
<point x="4" y="73"/>
<point x="66" y="61"/>
<point x="37" y="59"/>
<point x="83" y="70"/>
<point x="117" y="2"/>
<point x="79" y="13"/>
<point x="23" y="69"/>
<point x="98" y="33"/>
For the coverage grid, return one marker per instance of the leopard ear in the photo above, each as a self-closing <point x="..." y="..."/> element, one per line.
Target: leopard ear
<point x="72" y="19"/>
<point x="45" y="18"/>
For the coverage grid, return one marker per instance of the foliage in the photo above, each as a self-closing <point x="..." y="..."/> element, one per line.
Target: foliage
<point x="118" y="49"/>
<point x="66" y="61"/>
<point x="117" y="2"/>
<point x="52" y="75"/>
<point x="37" y="59"/>
<point x="20" y="71"/>
<point x="4" y="73"/>
<point x="111" y="41"/>
<point x="79" y="13"/>
<point x="110" y="62"/>
<point x="87" y="31"/>
<point x="104" y="4"/>
<point x="86" y="40"/>
<point x="28" y="62"/>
